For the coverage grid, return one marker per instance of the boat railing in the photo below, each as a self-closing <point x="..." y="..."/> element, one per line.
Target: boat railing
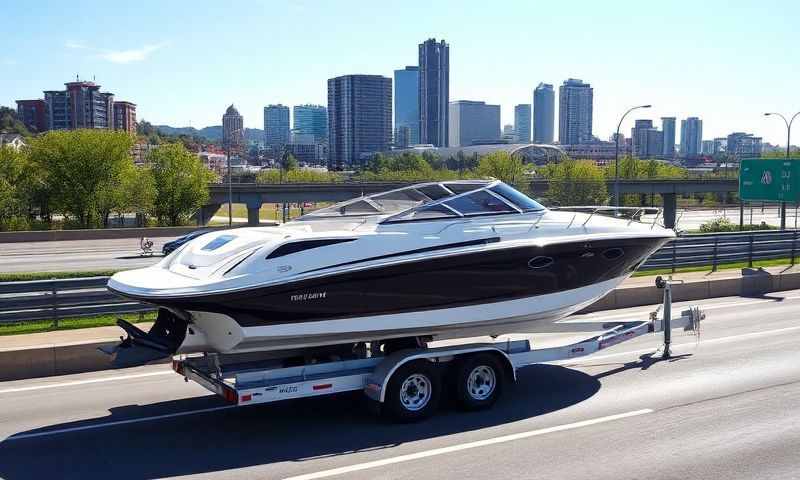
<point x="634" y="214"/>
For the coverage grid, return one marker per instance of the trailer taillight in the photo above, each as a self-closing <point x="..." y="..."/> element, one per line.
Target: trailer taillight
<point x="231" y="395"/>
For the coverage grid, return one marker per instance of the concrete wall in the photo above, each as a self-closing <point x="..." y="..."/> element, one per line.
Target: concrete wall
<point x="95" y="234"/>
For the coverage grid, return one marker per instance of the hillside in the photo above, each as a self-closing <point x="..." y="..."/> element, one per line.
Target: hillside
<point x="212" y="133"/>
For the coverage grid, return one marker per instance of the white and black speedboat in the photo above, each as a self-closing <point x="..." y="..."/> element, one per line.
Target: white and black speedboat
<point x="441" y="260"/>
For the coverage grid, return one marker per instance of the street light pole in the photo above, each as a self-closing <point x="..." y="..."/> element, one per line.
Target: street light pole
<point x="616" y="153"/>
<point x="788" y="154"/>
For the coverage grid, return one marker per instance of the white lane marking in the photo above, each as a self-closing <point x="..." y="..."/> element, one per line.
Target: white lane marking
<point x="728" y="339"/>
<point x="23" y="436"/>
<point x="465" y="446"/>
<point x="85" y="382"/>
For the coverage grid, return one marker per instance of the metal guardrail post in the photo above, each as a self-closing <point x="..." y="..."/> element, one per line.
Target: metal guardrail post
<point x="714" y="256"/>
<point x="794" y="245"/>
<point x="54" y="292"/>
<point x="750" y="252"/>
<point x="674" y="253"/>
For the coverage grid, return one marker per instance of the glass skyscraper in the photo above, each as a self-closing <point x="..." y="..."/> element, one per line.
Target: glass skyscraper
<point x="311" y="120"/>
<point x="359" y="119"/>
<point x="434" y="92"/>
<point x="575" y="109"/>
<point x="406" y="106"/>
<point x="522" y="122"/>
<point x="276" y="126"/>
<point x="544" y="101"/>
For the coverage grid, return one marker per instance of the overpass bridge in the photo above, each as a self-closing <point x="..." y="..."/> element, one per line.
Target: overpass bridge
<point x="255" y="194"/>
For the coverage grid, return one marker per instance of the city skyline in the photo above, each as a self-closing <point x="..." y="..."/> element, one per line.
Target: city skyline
<point x="156" y="62"/>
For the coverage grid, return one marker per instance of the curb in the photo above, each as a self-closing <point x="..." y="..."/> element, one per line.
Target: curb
<point x="64" y="359"/>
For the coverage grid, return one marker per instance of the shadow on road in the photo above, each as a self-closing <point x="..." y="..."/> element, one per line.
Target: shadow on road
<point x="261" y="435"/>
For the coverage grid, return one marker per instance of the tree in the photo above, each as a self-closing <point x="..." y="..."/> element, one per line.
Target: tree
<point x="81" y="166"/>
<point x="138" y="192"/>
<point x="502" y="166"/>
<point x="576" y="182"/>
<point x="12" y="171"/>
<point x="181" y="183"/>
<point x="289" y="162"/>
<point x="10" y="123"/>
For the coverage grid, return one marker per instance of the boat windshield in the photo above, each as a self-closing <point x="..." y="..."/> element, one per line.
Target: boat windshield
<point x="428" y="201"/>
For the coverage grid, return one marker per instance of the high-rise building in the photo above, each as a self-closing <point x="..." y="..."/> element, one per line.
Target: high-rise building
<point x="639" y="137"/>
<point x="125" y="117"/>
<point x="522" y="122"/>
<point x="232" y="128"/>
<point x="743" y="145"/>
<point x="707" y="147"/>
<point x="311" y="120"/>
<point x="80" y="105"/>
<point x="544" y="101"/>
<point x="434" y="92"/>
<point x="359" y="119"/>
<point x="406" y="106"/>
<point x="668" y="127"/>
<point x="276" y="127"/>
<point x="691" y="137"/>
<point x="575" y="108"/>
<point x="473" y="123"/>
<point x="33" y="113"/>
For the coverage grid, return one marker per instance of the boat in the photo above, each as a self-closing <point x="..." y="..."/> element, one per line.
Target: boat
<point x="434" y="260"/>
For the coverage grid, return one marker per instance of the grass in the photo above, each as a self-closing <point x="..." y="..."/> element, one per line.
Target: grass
<point x="25" y="276"/>
<point x="40" y="326"/>
<point x="267" y="211"/>
<point x="722" y="266"/>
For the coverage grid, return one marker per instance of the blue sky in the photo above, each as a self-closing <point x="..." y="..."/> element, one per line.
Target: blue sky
<point x="184" y="62"/>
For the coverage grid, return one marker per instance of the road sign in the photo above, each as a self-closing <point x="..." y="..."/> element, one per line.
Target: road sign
<point x="775" y="180"/>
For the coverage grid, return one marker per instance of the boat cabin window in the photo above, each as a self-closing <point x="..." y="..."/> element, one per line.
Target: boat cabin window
<point x="462" y="187"/>
<point x="479" y="203"/>
<point x="524" y="202"/>
<point x="360" y="207"/>
<point x="436" y="191"/>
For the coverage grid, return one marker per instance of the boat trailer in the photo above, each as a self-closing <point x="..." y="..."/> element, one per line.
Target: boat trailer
<point x="408" y="384"/>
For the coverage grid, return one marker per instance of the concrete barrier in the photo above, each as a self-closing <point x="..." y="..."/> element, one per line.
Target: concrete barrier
<point x="47" y="360"/>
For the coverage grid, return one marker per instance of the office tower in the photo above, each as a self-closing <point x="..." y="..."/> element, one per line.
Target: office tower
<point x="522" y="122"/>
<point x="668" y="129"/>
<point x="473" y="123"/>
<point x="125" y="117"/>
<point x="434" y="92"/>
<point x="81" y="105"/>
<point x="359" y="119"/>
<point x="33" y="113"/>
<point x="707" y="147"/>
<point x="639" y="137"/>
<point x="691" y="137"/>
<point x="575" y="112"/>
<point x="544" y="101"/>
<point x="743" y="145"/>
<point x="311" y="120"/>
<point x="232" y="128"/>
<point x="276" y="127"/>
<point x="406" y="106"/>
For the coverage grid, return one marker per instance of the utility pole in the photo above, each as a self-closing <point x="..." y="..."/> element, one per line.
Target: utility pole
<point x="616" y="154"/>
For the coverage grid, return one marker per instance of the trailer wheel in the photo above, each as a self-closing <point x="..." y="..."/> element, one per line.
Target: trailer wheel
<point x="479" y="381"/>
<point x="413" y="392"/>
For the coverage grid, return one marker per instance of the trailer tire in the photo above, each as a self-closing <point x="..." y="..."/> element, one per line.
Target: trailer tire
<point x="480" y="379"/>
<point x="413" y="392"/>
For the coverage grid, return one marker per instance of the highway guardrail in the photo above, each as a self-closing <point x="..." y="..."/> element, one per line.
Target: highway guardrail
<point x="60" y="298"/>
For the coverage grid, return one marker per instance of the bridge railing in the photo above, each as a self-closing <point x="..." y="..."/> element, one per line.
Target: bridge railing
<point x="81" y="297"/>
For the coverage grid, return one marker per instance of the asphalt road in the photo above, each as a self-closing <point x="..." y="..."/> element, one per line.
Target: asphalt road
<point x="77" y="255"/>
<point x="726" y="407"/>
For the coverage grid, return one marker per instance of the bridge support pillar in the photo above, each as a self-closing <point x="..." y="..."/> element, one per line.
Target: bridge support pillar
<point x="670" y="209"/>
<point x="204" y="214"/>
<point x="252" y="216"/>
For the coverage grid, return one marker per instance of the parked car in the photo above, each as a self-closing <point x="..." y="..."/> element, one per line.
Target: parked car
<point x="173" y="245"/>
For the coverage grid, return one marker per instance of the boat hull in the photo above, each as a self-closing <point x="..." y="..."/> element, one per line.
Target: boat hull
<point x="489" y="292"/>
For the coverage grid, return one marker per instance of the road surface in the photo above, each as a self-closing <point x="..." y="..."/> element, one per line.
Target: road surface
<point x="726" y="407"/>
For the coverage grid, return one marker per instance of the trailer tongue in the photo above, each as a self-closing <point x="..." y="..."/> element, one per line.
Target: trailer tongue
<point x="407" y="384"/>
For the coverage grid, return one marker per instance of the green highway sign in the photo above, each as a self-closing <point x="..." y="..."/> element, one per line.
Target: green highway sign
<point x="776" y="180"/>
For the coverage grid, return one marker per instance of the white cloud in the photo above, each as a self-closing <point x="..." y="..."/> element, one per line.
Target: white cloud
<point x="118" y="56"/>
<point x="128" y="56"/>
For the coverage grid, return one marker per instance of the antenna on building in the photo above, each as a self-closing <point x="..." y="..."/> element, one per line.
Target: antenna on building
<point x="77" y="78"/>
